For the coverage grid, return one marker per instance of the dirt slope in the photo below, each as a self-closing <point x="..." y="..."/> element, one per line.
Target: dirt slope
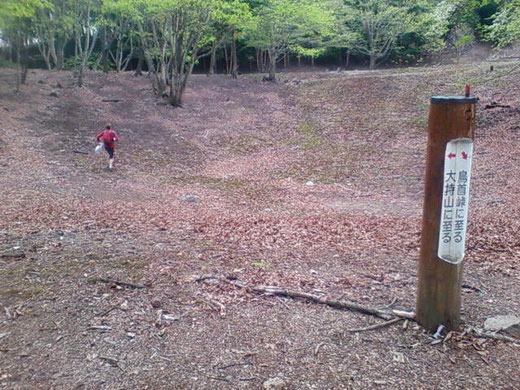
<point x="248" y="151"/>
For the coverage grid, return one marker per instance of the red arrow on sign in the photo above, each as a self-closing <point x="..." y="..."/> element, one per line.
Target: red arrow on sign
<point x="464" y="155"/>
<point x="452" y="155"/>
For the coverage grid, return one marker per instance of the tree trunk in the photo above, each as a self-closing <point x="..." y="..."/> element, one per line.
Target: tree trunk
<point x="234" y="57"/>
<point x="347" y="60"/>
<point x="299" y="61"/>
<point x="213" y="59"/>
<point x="312" y="61"/>
<point x="139" y="68"/>
<point x="176" y="92"/>
<point x="158" y="88"/>
<point x="272" y="66"/>
<point x="52" y="51"/>
<point x="60" y="54"/>
<point x="104" y="53"/>
<point x="18" y="68"/>
<point x="162" y="83"/>
<point x="25" y="71"/>
<point x="97" y="63"/>
<point x="373" y="63"/>
<point x="227" y="60"/>
<point x="11" y="50"/>
<point x="80" y="76"/>
<point x="24" y="63"/>
<point x="259" y="62"/>
<point x="128" y="58"/>
<point x="45" y="53"/>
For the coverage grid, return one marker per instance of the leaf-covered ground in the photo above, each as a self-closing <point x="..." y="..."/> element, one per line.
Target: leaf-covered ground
<point x="314" y="184"/>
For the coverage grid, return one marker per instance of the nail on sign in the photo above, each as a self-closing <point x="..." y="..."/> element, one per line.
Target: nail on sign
<point x="455" y="196"/>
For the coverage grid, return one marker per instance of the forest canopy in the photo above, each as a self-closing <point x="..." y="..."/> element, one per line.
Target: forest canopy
<point x="172" y="38"/>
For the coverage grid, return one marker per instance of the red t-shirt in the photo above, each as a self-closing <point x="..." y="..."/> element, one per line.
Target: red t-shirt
<point x="109" y="138"/>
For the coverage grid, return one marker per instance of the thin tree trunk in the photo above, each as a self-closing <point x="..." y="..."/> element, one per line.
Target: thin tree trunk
<point x="11" y="50"/>
<point x="104" y="53"/>
<point x="156" y="85"/>
<point x="234" y="58"/>
<point x="98" y="62"/>
<point x="347" y="60"/>
<point x="60" y="54"/>
<point x="258" y="61"/>
<point x="24" y="63"/>
<point x="45" y="53"/>
<point x="129" y="57"/>
<point x="272" y="66"/>
<point x="227" y="60"/>
<point x="139" y="68"/>
<point x="18" y="68"/>
<point x="52" y="50"/>
<point x="213" y="59"/>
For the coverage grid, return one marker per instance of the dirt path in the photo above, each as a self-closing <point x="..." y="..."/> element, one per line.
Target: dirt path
<point x="313" y="184"/>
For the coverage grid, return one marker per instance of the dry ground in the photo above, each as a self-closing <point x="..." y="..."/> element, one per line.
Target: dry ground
<point x="246" y="150"/>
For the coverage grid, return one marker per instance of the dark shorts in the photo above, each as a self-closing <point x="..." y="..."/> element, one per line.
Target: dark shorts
<point x="110" y="151"/>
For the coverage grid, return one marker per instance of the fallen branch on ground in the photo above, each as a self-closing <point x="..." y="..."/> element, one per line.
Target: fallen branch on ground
<point x="495" y="105"/>
<point x="345" y="305"/>
<point x="391" y="316"/>
<point x="384" y="314"/>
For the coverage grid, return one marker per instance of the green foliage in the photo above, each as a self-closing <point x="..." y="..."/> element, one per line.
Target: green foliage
<point x="16" y="16"/>
<point x="282" y="24"/>
<point x="300" y="26"/>
<point x="403" y="30"/>
<point x="74" y="62"/>
<point x="175" y="34"/>
<point x="12" y="10"/>
<point x="505" y="28"/>
<point x="379" y="24"/>
<point x="344" y="33"/>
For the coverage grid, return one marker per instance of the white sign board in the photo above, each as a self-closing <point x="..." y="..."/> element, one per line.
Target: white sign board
<point x="455" y="197"/>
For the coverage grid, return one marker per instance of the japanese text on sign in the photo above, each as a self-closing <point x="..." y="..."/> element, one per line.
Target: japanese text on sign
<point x="455" y="196"/>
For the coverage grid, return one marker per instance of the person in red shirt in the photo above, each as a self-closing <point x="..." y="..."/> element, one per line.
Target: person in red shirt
<point x="109" y="138"/>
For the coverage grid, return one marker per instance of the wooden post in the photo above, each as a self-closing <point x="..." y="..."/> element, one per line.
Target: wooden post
<point x="438" y="298"/>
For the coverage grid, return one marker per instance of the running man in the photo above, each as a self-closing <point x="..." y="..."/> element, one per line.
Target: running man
<point x="109" y="138"/>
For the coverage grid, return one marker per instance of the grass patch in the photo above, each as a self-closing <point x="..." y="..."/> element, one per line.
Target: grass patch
<point x="136" y="263"/>
<point x="28" y="292"/>
<point x="246" y="144"/>
<point x="311" y="137"/>
<point x="260" y="264"/>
